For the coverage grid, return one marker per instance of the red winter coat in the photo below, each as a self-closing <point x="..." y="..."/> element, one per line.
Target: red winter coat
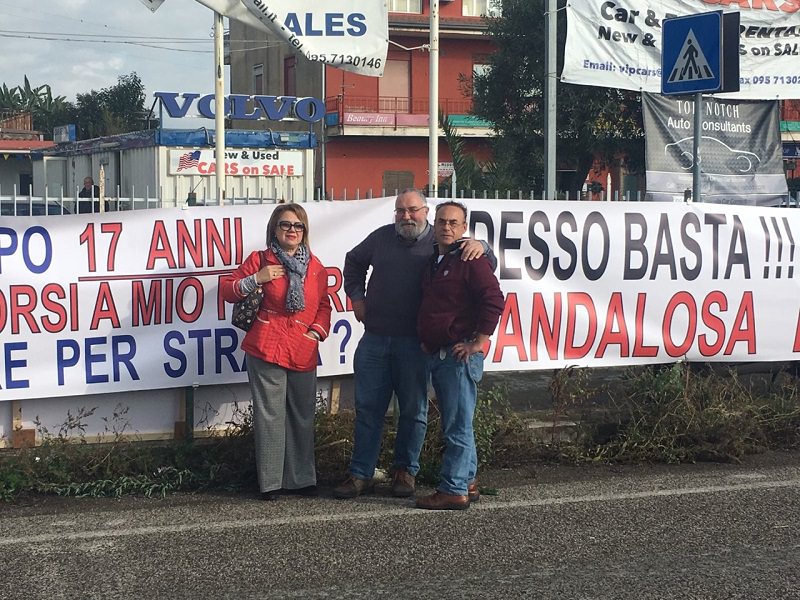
<point x="278" y="336"/>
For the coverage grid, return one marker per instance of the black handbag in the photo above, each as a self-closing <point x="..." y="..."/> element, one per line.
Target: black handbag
<point x="245" y="311"/>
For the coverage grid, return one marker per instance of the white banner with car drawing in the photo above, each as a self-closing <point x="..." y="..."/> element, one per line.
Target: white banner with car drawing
<point x="129" y="301"/>
<point x="618" y="44"/>
<point x="740" y="154"/>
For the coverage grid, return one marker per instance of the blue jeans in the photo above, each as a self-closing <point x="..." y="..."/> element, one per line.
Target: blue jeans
<point x="382" y="365"/>
<point x="456" y="385"/>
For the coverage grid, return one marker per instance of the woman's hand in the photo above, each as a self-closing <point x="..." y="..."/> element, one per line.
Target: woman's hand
<point x="269" y="273"/>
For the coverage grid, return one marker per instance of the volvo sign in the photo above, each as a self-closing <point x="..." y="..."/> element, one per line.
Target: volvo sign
<point x="240" y="106"/>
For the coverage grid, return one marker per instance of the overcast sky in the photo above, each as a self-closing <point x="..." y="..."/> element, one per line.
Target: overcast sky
<point x="76" y="66"/>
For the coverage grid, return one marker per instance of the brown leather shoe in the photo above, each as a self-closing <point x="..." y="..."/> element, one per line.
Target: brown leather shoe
<point x="403" y="484"/>
<point x="473" y="493"/>
<point x="353" y="487"/>
<point x="441" y="501"/>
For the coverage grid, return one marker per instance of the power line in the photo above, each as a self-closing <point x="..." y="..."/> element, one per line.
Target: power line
<point x="140" y="41"/>
<point x="106" y="36"/>
<point x="85" y="41"/>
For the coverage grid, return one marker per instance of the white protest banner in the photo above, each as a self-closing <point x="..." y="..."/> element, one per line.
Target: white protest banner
<point x="349" y="34"/>
<point x="127" y="301"/>
<point x="250" y="161"/>
<point x="618" y="44"/>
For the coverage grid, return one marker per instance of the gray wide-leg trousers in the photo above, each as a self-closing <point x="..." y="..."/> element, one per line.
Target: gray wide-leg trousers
<point x="283" y="420"/>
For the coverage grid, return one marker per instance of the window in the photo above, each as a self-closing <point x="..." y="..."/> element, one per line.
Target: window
<point x="481" y="69"/>
<point x="395" y="86"/>
<point x="258" y="79"/>
<point x="405" y="6"/>
<point x="480" y="8"/>
<point x="394" y="181"/>
<point x="290" y="76"/>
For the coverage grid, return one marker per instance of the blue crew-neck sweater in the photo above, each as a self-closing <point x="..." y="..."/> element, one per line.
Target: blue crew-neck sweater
<point x="394" y="291"/>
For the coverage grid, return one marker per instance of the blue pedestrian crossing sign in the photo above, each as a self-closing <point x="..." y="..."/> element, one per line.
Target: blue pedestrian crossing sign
<point x="695" y="50"/>
<point x="691" y="59"/>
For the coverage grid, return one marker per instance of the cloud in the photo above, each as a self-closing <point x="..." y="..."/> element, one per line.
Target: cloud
<point x="102" y="49"/>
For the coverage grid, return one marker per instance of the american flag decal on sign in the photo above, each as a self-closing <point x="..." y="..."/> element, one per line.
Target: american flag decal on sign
<point x="189" y="160"/>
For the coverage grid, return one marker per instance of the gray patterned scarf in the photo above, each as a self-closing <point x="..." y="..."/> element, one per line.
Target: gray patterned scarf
<point x="296" y="267"/>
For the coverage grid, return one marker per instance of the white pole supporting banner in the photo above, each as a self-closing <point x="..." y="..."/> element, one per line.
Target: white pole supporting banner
<point x="219" y="106"/>
<point x="633" y="283"/>
<point x="433" y="103"/>
<point x="551" y="100"/>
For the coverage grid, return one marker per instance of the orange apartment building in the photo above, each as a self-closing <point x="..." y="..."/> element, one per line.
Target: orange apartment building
<point x="374" y="138"/>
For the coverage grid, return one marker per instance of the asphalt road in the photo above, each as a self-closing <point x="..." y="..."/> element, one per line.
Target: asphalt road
<point x="699" y="531"/>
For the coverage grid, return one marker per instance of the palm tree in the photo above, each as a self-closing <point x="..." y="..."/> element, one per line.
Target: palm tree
<point x="46" y="110"/>
<point x="470" y="173"/>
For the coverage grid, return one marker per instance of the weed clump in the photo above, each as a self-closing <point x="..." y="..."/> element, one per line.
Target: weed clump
<point x="681" y="413"/>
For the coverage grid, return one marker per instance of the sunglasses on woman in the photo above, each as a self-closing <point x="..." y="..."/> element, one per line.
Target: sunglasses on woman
<point x="288" y="226"/>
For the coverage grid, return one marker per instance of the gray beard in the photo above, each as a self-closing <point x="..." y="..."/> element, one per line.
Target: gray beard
<point x="410" y="233"/>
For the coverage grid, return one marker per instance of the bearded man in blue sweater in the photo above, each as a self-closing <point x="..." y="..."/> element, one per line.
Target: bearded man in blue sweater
<point x="388" y="358"/>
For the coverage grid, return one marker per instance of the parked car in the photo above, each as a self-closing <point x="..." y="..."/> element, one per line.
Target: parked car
<point x="36" y="208"/>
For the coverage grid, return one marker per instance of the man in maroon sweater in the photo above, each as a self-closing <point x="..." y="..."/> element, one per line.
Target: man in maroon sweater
<point x="461" y="305"/>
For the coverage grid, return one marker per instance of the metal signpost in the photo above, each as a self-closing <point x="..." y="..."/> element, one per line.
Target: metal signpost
<point x="700" y="54"/>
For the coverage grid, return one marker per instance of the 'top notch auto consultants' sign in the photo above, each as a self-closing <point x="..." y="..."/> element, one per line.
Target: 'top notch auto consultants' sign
<point x="618" y="44"/>
<point x="349" y="34"/>
<point x="739" y="153"/>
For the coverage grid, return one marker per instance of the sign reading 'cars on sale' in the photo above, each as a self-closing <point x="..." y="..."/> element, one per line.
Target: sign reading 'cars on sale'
<point x="349" y="34"/>
<point x="246" y="162"/>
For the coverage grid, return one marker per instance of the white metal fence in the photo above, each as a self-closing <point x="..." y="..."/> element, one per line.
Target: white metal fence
<point x="64" y="205"/>
<point x="20" y="205"/>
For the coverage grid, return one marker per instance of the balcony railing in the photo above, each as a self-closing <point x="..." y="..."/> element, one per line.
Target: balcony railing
<point x="395" y="104"/>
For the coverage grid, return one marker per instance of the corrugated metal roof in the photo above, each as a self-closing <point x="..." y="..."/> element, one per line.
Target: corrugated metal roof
<point x="202" y="137"/>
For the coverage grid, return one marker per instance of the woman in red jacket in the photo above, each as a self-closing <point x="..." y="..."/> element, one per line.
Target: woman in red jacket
<point x="281" y="348"/>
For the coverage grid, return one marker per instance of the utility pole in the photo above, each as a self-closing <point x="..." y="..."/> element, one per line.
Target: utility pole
<point x="219" y="105"/>
<point x="550" y="81"/>
<point x="433" y="100"/>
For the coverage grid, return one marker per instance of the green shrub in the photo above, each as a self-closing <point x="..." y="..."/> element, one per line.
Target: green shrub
<point x="677" y="413"/>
